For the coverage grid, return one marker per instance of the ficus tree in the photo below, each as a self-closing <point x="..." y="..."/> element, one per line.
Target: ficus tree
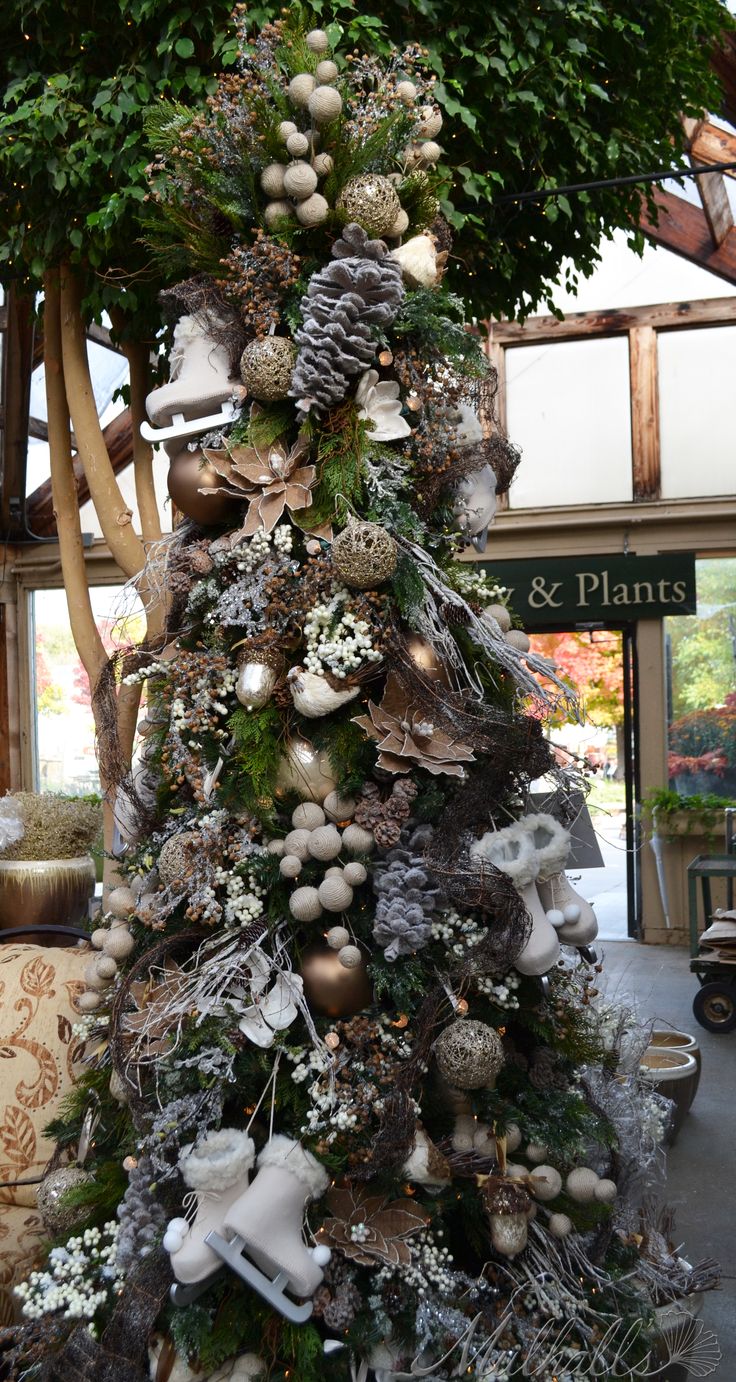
<point x="537" y="93"/>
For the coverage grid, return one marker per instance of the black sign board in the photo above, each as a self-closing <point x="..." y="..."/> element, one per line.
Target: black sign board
<point x="595" y="590"/>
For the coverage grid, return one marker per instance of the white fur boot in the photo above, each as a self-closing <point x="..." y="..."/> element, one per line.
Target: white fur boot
<point x="268" y="1217"/>
<point x="216" y="1168"/>
<point x="516" y="853"/>
<point x="573" y="917"/>
<point x="199" y="394"/>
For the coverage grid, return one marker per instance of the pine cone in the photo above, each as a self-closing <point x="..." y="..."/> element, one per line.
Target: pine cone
<point x="360" y="290"/>
<point x="387" y="834"/>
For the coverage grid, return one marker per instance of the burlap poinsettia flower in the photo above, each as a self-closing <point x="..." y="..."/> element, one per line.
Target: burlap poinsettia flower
<point x="272" y="479"/>
<point x="369" y="1228"/>
<point x="406" y="740"/>
<point x="151" y="1025"/>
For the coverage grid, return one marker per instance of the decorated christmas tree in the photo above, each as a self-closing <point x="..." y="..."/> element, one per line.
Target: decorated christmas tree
<point x="352" y="1105"/>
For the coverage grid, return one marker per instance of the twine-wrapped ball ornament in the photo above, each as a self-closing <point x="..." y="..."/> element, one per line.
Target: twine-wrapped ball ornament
<point x="516" y="638"/>
<point x="546" y="1183"/>
<point x="323" y="165"/>
<point x="317" y="41"/>
<point x="469" y="1054"/>
<point x="313" y="210"/>
<point x="430" y="122"/>
<point x="364" y="555"/>
<point x="121" y="902"/>
<point x="400" y="225"/>
<point x="334" y="894"/>
<point x="581" y="1184"/>
<point x="277" y="211"/>
<point x="89" y="1001"/>
<point x="300" y="89"/>
<point x="406" y="92"/>
<point x="297" y="144"/>
<point x="119" y="943"/>
<point x="324" y="843"/>
<point x="272" y="179"/>
<point x="501" y="616"/>
<point x="350" y="956"/>
<point x="325" y="104"/>
<point x="537" y="1152"/>
<point x="606" y="1191"/>
<point x="266" y="367"/>
<point x="356" y="840"/>
<point x="308" y="815"/>
<point x="339" y="808"/>
<point x="57" y="1217"/>
<point x="297" y="843"/>
<point x="338" y="937"/>
<point x="559" y="1225"/>
<point x="355" y="874"/>
<point x="304" y="904"/>
<point x="372" y="201"/>
<point x="326" y="71"/>
<point x="300" y="181"/>
<point x="290" y="866"/>
<point x="286" y="128"/>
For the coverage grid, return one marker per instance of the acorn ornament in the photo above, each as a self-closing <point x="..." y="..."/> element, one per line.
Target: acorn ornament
<point x="508" y="1211"/>
<point x="364" y="554"/>
<point x="370" y="200"/>
<point x="266" y="367"/>
<point x="259" y="670"/>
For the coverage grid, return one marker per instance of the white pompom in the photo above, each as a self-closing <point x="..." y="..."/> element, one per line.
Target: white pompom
<point x="324" y="843"/>
<point x="300" y="180"/>
<point x="326" y="71"/>
<point x="350" y="956"/>
<point x="277" y="211"/>
<point x="290" y="866"/>
<point x="571" y="912"/>
<point x="581" y="1184"/>
<point x="272" y="179"/>
<point x="304" y="904"/>
<point x="325" y="104"/>
<point x="357" y="840"/>
<point x="559" y="1225"/>
<point x="297" y="842"/>
<point x="335" y="894"/>
<point x="313" y="210"/>
<point x="339" y="808"/>
<point x="173" y="1242"/>
<point x="307" y="816"/>
<point x="300" y="89"/>
<point x="606" y="1191"/>
<point x="337" y="937"/>
<point x="355" y="874"/>
<point x="180" y="1226"/>
<point x="546" y="1183"/>
<point x="321" y="1254"/>
<point x="555" y="917"/>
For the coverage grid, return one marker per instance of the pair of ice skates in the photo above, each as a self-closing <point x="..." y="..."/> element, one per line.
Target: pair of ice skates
<point x="200" y="396"/>
<point x="253" y="1227"/>
<point x="533" y="852"/>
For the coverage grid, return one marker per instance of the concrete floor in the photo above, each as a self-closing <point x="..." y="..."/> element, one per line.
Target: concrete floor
<point x="701" y="1185"/>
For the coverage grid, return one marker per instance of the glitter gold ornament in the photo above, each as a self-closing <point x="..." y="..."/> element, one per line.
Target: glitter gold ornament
<point x="266" y="367"/>
<point x="469" y="1055"/>
<point x="329" y="987"/>
<point x="177" y="856"/>
<point x="370" y="200"/>
<point x="58" y="1217"/>
<point x="364" y="554"/>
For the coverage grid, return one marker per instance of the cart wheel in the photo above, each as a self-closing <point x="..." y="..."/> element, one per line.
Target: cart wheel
<point x="714" y="1006"/>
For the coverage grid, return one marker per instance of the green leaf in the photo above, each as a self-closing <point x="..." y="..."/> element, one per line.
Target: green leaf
<point x="184" y="47"/>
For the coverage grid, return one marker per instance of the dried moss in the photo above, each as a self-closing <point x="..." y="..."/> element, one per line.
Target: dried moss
<point x="56" y="827"/>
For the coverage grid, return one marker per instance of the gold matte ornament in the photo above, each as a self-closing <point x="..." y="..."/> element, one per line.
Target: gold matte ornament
<point x="188" y="475"/>
<point x="330" y="988"/>
<point x="364" y="555"/>
<point x="266" y="367"/>
<point x="372" y="201"/>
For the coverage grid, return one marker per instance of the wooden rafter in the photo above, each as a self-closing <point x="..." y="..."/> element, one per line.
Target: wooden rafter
<point x="711" y="188"/>
<point x="577" y="326"/>
<point x="118" y="437"/>
<point x="710" y="144"/>
<point x="16" y="391"/>
<point x="684" y="229"/>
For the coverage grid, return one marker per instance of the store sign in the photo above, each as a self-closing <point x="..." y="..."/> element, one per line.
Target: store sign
<point x="594" y="590"/>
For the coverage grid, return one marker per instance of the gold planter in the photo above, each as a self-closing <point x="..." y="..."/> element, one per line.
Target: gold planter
<point x="46" y="892"/>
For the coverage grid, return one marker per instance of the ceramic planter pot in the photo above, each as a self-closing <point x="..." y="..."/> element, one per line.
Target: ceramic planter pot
<point x="670" y="1040"/>
<point x="674" y="1075"/>
<point x="48" y="892"/>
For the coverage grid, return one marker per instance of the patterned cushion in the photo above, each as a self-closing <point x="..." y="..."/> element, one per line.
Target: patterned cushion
<point x="38" y="990"/>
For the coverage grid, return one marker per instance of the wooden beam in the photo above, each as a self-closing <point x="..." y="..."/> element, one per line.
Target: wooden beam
<point x="683" y="228"/>
<point x="711" y="188"/>
<point x="119" y="442"/>
<point x="709" y="144"/>
<point x="16" y="394"/>
<point x="645" y="447"/>
<point x="577" y="326"/>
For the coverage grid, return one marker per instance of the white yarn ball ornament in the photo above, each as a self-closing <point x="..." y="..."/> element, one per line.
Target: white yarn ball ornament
<point x="357" y="840"/>
<point x="516" y="638"/>
<point x="324" y="843"/>
<point x="355" y="874"/>
<point x="317" y="41"/>
<point x="121" y="902"/>
<point x="339" y="808"/>
<point x="546" y="1183"/>
<point x="606" y="1191"/>
<point x="300" y="180"/>
<point x="272" y="179"/>
<point x="277" y="211"/>
<point x="286" y="128"/>
<point x="276" y="847"/>
<point x="304" y="904"/>
<point x="430" y="152"/>
<point x="581" y="1184"/>
<point x="400" y="225"/>
<point x="99" y="937"/>
<point x="326" y="71"/>
<point x="513" y="1137"/>
<point x="536" y="1152"/>
<point x="501" y="616"/>
<point x="350" y="956"/>
<point x="88" y="1001"/>
<point x="337" y="937"/>
<point x="325" y="104"/>
<point x="313" y="210"/>
<point x="297" y="144"/>
<point x="308" y="815"/>
<point x="297" y="842"/>
<point x="323" y="164"/>
<point x="106" y="968"/>
<point x="559" y="1225"/>
<point x="335" y="871"/>
<point x="290" y="866"/>
<point x="300" y="89"/>
<point x="118" y="943"/>
<point x="430" y="122"/>
<point x="335" y="894"/>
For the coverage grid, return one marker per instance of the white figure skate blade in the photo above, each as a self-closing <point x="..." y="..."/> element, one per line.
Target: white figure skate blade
<point x="188" y="427"/>
<point x="274" y="1291"/>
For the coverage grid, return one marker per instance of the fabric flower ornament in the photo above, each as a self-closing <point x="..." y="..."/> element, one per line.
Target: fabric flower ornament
<point x="272" y="479"/>
<point x="380" y="405"/>
<point x="273" y="1012"/>
<point x="368" y="1228"/>
<point x="155" y="999"/>
<point x="406" y="740"/>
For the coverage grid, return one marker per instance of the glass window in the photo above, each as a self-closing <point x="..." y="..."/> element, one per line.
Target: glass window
<point x="701" y="657"/>
<point x="568" y="408"/>
<point x="63" y="728"/>
<point x="696" y="373"/>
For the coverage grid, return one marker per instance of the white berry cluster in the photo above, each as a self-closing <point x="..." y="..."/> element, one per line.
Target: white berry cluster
<point x="456" y="932"/>
<point x="502" y="994"/>
<point x="79" y="1279"/>
<point x="337" y="641"/>
<point x="478" y="586"/>
<point x="243" y="903"/>
<point x="430" y="1269"/>
<point x="152" y="669"/>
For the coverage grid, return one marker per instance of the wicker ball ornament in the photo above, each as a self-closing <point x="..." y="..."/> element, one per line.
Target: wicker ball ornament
<point x="364" y="555"/>
<point x="57" y="1217"/>
<point x="372" y="201"/>
<point x="266" y="367"/>
<point x="177" y="856"/>
<point x="469" y="1054"/>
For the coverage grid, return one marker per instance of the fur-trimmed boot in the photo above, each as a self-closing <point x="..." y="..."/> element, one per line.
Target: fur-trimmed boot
<point x="216" y="1169"/>
<point x="570" y="913"/>
<point x="514" y="852"/>
<point x="199" y="393"/>
<point x="268" y="1217"/>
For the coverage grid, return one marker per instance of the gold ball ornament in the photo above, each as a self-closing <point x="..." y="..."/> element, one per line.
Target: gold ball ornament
<point x="190" y="472"/>
<point x="317" y="41"/>
<point x="313" y="210"/>
<point x="325" y="104"/>
<point x="300" y="181"/>
<point x="326" y="71"/>
<point x="329" y="987"/>
<point x="469" y="1054"/>
<point x="306" y="771"/>
<point x="300" y="89"/>
<point x="372" y="201"/>
<point x="272" y="179"/>
<point x="277" y="211"/>
<point x="364" y="554"/>
<point x="57" y="1216"/>
<point x="266" y="367"/>
<point x="424" y="656"/>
